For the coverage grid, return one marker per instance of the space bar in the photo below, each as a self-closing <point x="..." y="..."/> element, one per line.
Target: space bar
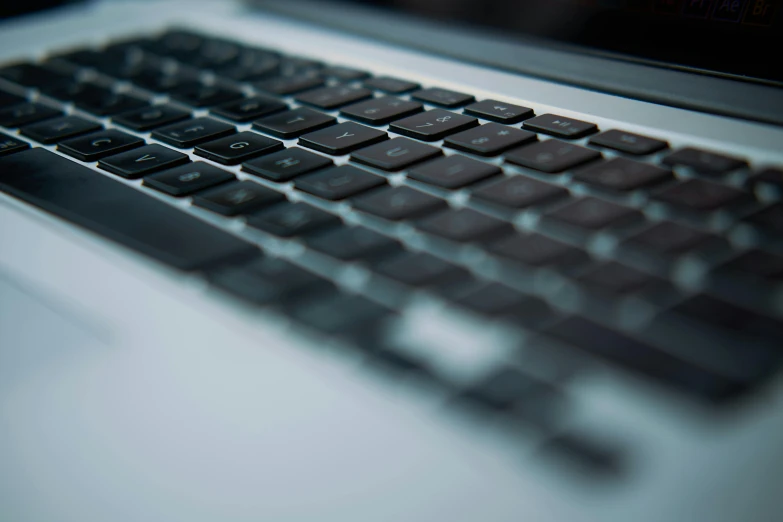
<point x="116" y="211"/>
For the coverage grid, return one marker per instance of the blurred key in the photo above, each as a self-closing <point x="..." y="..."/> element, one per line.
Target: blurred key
<point x="26" y="113"/>
<point x="379" y="111"/>
<point x="701" y="195"/>
<point x="417" y="269"/>
<point x="9" y="145"/>
<point x="453" y="171"/>
<point x="758" y="263"/>
<point x="237" y="198"/>
<point x="518" y="192"/>
<point x="704" y="161"/>
<point x="390" y="85"/>
<point x="329" y="98"/>
<point x="292" y="124"/>
<point x="593" y="214"/>
<point x="537" y="250"/>
<point x="671" y="238"/>
<point x="248" y="109"/>
<point x="551" y="156"/>
<point x="187" y="179"/>
<point x="490" y="139"/>
<point x="560" y="126"/>
<point x="500" y="112"/>
<point x="338" y="182"/>
<point x="399" y="203"/>
<point x="149" y="118"/>
<point x="616" y="278"/>
<point x="628" y="142"/>
<point x="292" y="220"/>
<point x="286" y="164"/>
<point x="465" y="225"/>
<point x="622" y="174"/>
<point x="769" y="219"/>
<point x="351" y="243"/>
<point x="57" y="129"/>
<point x="443" y="97"/>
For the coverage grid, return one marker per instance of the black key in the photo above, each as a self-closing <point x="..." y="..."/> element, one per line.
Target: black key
<point x="507" y="389"/>
<point x="622" y="174"/>
<point x="593" y="214"/>
<point x="560" y="126"/>
<point x="342" y="138"/>
<point x="213" y="54"/>
<point x="417" y="269"/>
<point x="187" y="179"/>
<point x="298" y="66"/>
<point x="343" y="74"/>
<point x="26" y="113"/>
<point x="292" y="219"/>
<point x="704" y="161"/>
<point x="200" y="95"/>
<point x="628" y="142"/>
<point x="188" y="133"/>
<point x="399" y="203"/>
<point x="110" y="103"/>
<point x="758" y="263"/>
<point x="443" y="97"/>
<point x="142" y="161"/>
<point x="537" y="250"/>
<point x="237" y="198"/>
<point x="352" y="243"/>
<point x="248" y="109"/>
<point x="453" y="171"/>
<point x="769" y="219"/>
<point x="642" y="358"/>
<point x="237" y="148"/>
<point x="98" y="145"/>
<point x="615" y="278"/>
<point x="158" y="80"/>
<point x="9" y="145"/>
<point x="551" y="156"/>
<point x="149" y="118"/>
<point x="341" y="315"/>
<point x="286" y="164"/>
<point x="724" y="315"/>
<point x="57" y="129"/>
<point x="700" y="195"/>
<point x="338" y="182"/>
<point x="390" y="85"/>
<point x="433" y="125"/>
<point x="671" y="238"/>
<point x="7" y="99"/>
<point x="586" y="453"/>
<point x="500" y="112"/>
<point x="291" y="124"/>
<point x="75" y="91"/>
<point x="395" y="154"/>
<point x="251" y="65"/>
<point x="770" y="176"/>
<point x="329" y="98"/>
<point x="465" y="225"/>
<point x="285" y="85"/>
<point x="380" y="111"/>
<point x="490" y="139"/>
<point x="491" y="299"/>
<point x="118" y="212"/>
<point x="519" y="192"/>
<point x="32" y="75"/>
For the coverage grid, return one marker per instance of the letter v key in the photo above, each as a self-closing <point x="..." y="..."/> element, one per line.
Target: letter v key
<point x="146" y="157"/>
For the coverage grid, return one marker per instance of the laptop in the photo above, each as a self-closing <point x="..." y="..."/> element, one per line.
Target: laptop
<point x="392" y="261"/>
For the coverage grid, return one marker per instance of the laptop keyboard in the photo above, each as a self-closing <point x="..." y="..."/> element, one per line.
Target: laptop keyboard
<point x="430" y="193"/>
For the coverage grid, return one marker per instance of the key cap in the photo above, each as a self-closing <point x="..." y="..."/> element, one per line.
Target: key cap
<point x="142" y="161"/>
<point x="26" y="113"/>
<point x="338" y="182"/>
<point x="117" y="212"/>
<point x="443" y="97"/>
<point x="351" y="243"/>
<point x="343" y="74"/>
<point x="704" y="161"/>
<point x="560" y="126"/>
<point x="395" y="154"/>
<point x="187" y="134"/>
<point x="187" y="179"/>
<point x="9" y="145"/>
<point x="248" y="109"/>
<point x="433" y="125"/>
<point x="507" y="388"/>
<point x="200" y="95"/>
<point x="159" y="80"/>
<point x="75" y="91"/>
<point x="537" y="250"/>
<point x="758" y="263"/>
<point x="149" y="118"/>
<point x="769" y="219"/>
<point x="417" y="269"/>
<point x="671" y="238"/>
<point x="518" y="192"/>
<point x="628" y="142"/>
<point x="465" y="225"/>
<point x="8" y="99"/>
<point x="329" y="98"/>
<point x="622" y="174"/>
<point x="700" y="195"/>
<point x="593" y="214"/>
<point x="111" y="103"/>
<point x="588" y="454"/>
<point x="237" y="148"/>
<point x="725" y="315"/>
<point x="390" y="85"/>
<point x="292" y="220"/>
<point x="551" y="156"/>
<point x="233" y="199"/>
<point x="285" y="85"/>
<point x="616" y="278"/>
<point x="380" y="111"/>
<point x="498" y="111"/>
<point x="770" y="176"/>
<point x="491" y="299"/>
<point x="342" y="315"/>
<point x="251" y="66"/>
<point x="33" y="75"/>
<point x="299" y="66"/>
<point x="58" y="129"/>
<point x="342" y="138"/>
<point x="98" y="145"/>
<point x="490" y="139"/>
<point x="292" y="124"/>
<point x="399" y="203"/>
<point x="453" y="171"/>
<point x="286" y="164"/>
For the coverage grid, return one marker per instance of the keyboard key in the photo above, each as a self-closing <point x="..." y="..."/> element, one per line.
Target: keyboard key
<point x="186" y="134"/>
<point x="251" y="66"/>
<point x="26" y="113"/>
<point x="57" y="129"/>
<point x="285" y="85"/>
<point x="622" y="174"/>
<point x="500" y="112"/>
<point x="342" y="138"/>
<point x="159" y="80"/>
<point x="149" y="118"/>
<point x="700" y="195"/>
<point x="8" y="99"/>
<point x="443" y="97"/>
<point x="453" y="171"/>
<point x="671" y="238"/>
<point x="724" y="315"/>
<point x="286" y="164"/>
<point x="704" y="161"/>
<point x="75" y="91"/>
<point x="551" y="156"/>
<point x="628" y="142"/>
<point x="560" y="126"/>
<point x="341" y="315"/>
<point x="329" y="98"/>
<point x="758" y="263"/>
<point x="351" y="243"/>
<point x="248" y="109"/>
<point x="507" y="389"/>
<point x="292" y="220"/>
<point x="292" y="124"/>
<point x="518" y="192"/>
<point x="142" y="161"/>
<point x="465" y="225"/>
<point x="491" y="299"/>
<point x="118" y="212"/>
<point x="111" y="103"/>
<point x="537" y="250"/>
<point x="338" y="182"/>
<point x="433" y="125"/>
<point x="395" y="154"/>
<point x="769" y="219"/>
<point x="233" y="199"/>
<point x="9" y="145"/>
<point x="380" y="111"/>
<point x="343" y="74"/>
<point x="615" y="278"/>
<point x="201" y="95"/>
<point x="187" y="179"/>
<point x="237" y="148"/>
<point x="769" y="176"/>
<point x="417" y="269"/>
<point x="490" y="139"/>
<point x="98" y="145"/>
<point x="390" y="85"/>
<point x="399" y="203"/>
<point x="593" y="214"/>
<point x="33" y="75"/>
